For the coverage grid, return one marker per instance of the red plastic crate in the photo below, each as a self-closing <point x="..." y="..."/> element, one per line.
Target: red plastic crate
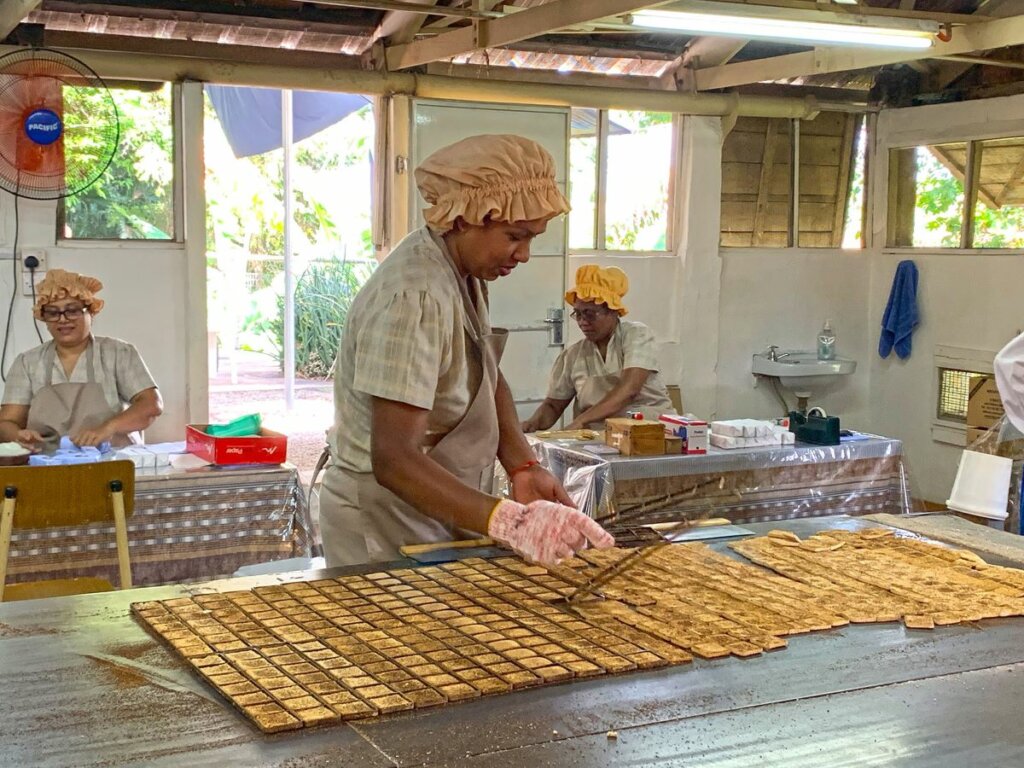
<point x="268" y="447"/>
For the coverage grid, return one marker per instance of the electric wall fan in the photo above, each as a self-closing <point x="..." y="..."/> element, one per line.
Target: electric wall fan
<point x="58" y="124"/>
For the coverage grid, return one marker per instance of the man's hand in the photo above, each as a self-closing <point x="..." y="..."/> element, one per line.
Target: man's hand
<point x="537" y="484"/>
<point x="93" y="437"/>
<point x="545" y="532"/>
<point x="29" y="438"/>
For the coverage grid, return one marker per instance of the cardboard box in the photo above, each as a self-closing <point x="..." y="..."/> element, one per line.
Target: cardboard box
<point x="267" y="448"/>
<point x="694" y="432"/>
<point x="975" y="434"/>
<point x="673" y="445"/>
<point x="635" y="437"/>
<point x="984" y="406"/>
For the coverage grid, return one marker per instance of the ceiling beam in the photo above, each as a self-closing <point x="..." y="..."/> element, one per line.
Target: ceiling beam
<point x="522" y="25"/>
<point x="985" y="36"/>
<point x="700" y="53"/>
<point x="484" y="5"/>
<point x="401" y="26"/>
<point x="13" y="12"/>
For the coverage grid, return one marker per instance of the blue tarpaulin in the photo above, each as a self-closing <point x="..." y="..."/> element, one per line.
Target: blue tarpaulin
<point x="251" y="117"/>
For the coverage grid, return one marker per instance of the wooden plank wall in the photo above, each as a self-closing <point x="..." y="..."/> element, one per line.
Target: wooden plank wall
<point x="757" y="181"/>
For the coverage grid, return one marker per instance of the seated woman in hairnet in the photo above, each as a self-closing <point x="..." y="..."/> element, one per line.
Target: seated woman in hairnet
<point x="613" y="369"/>
<point x="1009" y="370"/>
<point x="93" y="389"/>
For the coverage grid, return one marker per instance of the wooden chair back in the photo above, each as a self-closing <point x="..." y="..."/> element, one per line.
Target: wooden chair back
<point x="66" y="496"/>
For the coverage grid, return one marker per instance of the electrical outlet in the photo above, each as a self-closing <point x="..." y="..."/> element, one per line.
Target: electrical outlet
<point x="28" y="275"/>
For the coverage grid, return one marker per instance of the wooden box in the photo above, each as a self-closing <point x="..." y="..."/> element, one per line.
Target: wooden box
<point x="633" y="437"/>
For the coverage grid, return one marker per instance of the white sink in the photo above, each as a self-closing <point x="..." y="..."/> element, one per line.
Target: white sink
<point x="802" y="371"/>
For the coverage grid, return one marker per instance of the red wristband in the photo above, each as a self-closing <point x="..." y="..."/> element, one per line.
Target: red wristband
<point x="523" y="467"/>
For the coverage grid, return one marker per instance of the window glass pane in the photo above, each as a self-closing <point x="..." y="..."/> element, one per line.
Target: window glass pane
<point x="583" y="178"/>
<point x="756" y="183"/>
<point x="853" y="228"/>
<point x="639" y="172"/>
<point x="827" y="146"/>
<point x="926" y="195"/>
<point x="134" y="198"/>
<point x="999" y="207"/>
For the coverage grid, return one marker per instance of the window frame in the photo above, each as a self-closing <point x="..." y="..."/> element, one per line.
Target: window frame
<point x="600" y="192"/>
<point x="177" y="195"/>
<point x="973" y="142"/>
<point x="974" y="361"/>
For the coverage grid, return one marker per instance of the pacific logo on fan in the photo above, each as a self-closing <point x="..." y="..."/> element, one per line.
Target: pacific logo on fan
<point x="43" y="126"/>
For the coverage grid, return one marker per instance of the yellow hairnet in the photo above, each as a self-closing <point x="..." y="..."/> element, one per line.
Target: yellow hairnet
<point x="601" y="285"/>
<point x="61" y="284"/>
<point x="501" y="176"/>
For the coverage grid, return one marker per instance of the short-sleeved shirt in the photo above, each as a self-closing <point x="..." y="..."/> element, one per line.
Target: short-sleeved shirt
<point x="117" y="366"/>
<point x="406" y="339"/>
<point x="631" y="346"/>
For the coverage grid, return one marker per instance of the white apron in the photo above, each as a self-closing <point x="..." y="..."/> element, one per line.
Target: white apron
<point x="63" y="409"/>
<point x="361" y="521"/>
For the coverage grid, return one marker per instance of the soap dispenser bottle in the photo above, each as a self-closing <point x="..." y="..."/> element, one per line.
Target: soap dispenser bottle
<point x="827" y="342"/>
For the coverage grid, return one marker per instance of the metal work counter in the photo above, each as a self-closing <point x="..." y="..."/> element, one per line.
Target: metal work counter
<point x="857" y="477"/>
<point x="201" y="523"/>
<point x="85" y="685"/>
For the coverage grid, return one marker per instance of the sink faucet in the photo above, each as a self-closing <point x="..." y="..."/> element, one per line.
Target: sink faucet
<point x="773" y="354"/>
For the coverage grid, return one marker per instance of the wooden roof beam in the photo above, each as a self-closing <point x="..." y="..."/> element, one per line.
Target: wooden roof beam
<point x="492" y="33"/>
<point x="401" y="26"/>
<point x="983" y="36"/>
<point x="13" y="12"/>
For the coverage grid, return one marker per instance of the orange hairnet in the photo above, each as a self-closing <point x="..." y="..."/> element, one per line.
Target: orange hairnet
<point x="61" y="284"/>
<point x="501" y="176"/>
<point x="601" y="285"/>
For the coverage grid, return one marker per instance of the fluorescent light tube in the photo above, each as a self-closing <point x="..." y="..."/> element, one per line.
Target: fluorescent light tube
<point x="789" y="30"/>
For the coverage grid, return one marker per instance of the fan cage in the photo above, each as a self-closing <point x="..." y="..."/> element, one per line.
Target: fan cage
<point x="44" y="78"/>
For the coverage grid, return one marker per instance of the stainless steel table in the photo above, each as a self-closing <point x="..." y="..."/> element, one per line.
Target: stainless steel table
<point x="84" y="685"/>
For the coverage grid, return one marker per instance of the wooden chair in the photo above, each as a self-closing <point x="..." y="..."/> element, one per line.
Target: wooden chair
<point x="63" y="496"/>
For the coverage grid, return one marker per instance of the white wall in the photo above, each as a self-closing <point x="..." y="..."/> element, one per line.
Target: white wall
<point x="712" y="308"/>
<point x="967" y="299"/>
<point x="783" y="297"/>
<point x="144" y="288"/>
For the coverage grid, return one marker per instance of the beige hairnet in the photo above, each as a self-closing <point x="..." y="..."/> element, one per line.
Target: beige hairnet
<point x="505" y="177"/>
<point x="61" y="284"/>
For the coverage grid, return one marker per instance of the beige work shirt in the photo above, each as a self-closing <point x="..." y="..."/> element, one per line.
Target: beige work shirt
<point x="406" y="339"/>
<point x="119" y="369"/>
<point x="581" y="366"/>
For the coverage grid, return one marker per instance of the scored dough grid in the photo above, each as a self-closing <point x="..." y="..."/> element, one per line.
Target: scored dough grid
<point x="309" y="653"/>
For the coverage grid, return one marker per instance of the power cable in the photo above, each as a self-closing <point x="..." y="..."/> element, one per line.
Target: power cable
<point x="14" y="295"/>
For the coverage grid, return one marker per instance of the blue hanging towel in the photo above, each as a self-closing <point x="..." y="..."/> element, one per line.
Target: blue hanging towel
<point x="901" y="315"/>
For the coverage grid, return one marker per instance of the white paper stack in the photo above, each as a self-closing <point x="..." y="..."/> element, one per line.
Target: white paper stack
<point x="143" y="457"/>
<point x="749" y="433"/>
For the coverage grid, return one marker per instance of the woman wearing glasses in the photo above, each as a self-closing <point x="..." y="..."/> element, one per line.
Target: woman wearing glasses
<point x="614" y="368"/>
<point x="93" y="389"/>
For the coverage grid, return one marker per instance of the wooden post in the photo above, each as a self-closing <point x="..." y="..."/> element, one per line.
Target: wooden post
<point x="767" y="161"/>
<point x="6" y="524"/>
<point x="902" y="196"/>
<point x="121" y="529"/>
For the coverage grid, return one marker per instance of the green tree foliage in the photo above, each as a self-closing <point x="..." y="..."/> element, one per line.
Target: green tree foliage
<point x="323" y="297"/>
<point x="940" y="201"/>
<point x="134" y="197"/>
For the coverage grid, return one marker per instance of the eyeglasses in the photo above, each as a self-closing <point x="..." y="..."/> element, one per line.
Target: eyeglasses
<point x="52" y="314"/>
<point x="590" y="315"/>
